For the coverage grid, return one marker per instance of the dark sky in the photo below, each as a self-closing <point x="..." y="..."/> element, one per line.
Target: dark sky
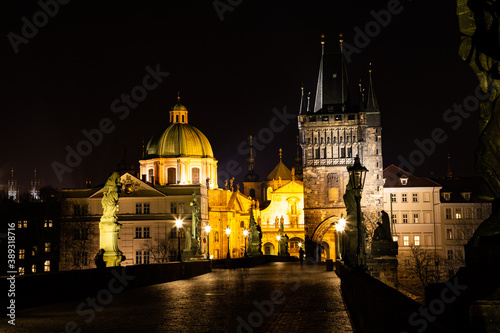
<point x="231" y="75"/>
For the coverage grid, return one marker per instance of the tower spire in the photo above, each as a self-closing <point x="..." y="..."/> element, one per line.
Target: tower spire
<point x="251" y="176"/>
<point x="308" y="101"/>
<point x="178" y="96"/>
<point x="281" y="154"/>
<point x="301" y="107"/>
<point x="318" y="102"/>
<point x="371" y="103"/>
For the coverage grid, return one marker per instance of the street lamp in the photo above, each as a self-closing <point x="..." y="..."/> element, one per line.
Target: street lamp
<point x="228" y="232"/>
<point x="340" y="227"/>
<point x="245" y="234"/>
<point x="178" y="224"/>
<point x="278" y="238"/>
<point x="207" y="230"/>
<point x="357" y="174"/>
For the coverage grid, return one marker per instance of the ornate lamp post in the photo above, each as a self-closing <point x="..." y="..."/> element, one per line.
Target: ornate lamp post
<point x="340" y="227"/>
<point x="207" y="230"/>
<point x="245" y="234"/>
<point x="357" y="174"/>
<point x="178" y="225"/>
<point x="228" y="232"/>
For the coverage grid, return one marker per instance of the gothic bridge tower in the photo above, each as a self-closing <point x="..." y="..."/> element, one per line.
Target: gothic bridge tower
<point x="331" y="134"/>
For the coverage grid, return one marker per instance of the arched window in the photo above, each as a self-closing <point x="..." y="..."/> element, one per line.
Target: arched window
<point x="328" y="140"/>
<point x="172" y="176"/>
<point x="195" y="175"/>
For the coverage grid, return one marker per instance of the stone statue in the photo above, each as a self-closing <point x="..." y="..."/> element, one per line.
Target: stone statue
<point x="350" y="200"/>
<point x="283" y="243"/>
<point x="382" y="242"/>
<point x="109" y="226"/>
<point x="383" y="231"/>
<point x="254" y="237"/>
<point x="196" y="227"/>
<point x="480" y="48"/>
<point x="110" y="196"/>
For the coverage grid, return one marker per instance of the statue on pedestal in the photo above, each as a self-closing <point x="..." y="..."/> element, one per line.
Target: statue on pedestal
<point x="254" y="237"/>
<point x="109" y="226"/>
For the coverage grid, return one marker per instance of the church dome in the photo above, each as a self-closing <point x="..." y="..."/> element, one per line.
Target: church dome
<point x="179" y="107"/>
<point x="179" y="140"/>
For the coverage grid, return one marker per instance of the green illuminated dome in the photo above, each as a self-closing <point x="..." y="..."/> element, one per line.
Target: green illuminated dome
<point x="179" y="139"/>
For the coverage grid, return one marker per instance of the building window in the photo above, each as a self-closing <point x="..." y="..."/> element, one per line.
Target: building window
<point x="466" y="196"/>
<point x="172" y="175"/>
<point x="479" y="213"/>
<point x="181" y="208"/>
<point x="446" y="196"/>
<point x="394" y="218"/>
<point x="146" y="208"/>
<point x="415" y="197"/>
<point x="468" y="213"/>
<point x="22" y="253"/>
<point x="458" y="213"/>
<point x="22" y="224"/>
<point x="20" y="270"/>
<point x="349" y="152"/>
<point x="47" y="247"/>
<point x="46" y="266"/>
<point x="146" y="257"/>
<point x="405" y="218"/>
<point x="406" y="240"/>
<point x="33" y="268"/>
<point x="47" y="224"/>
<point x="448" y="213"/>
<point x="404" y="197"/>
<point x="142" y="232"/>
<point x="415" y="218"/>
<point x="416" y="240"/>
<point x="33" y="252"/>
<point x="195" y="175"/>
<point x="449" y="234"/>
<point x="80" y="258"/>
<point x="342" y="152"/>
<point x="138" y="257"/>
<point x="142" y="257"/>
<point x="216" y="237"/>
<point x="393" y="197"/>
<point x="138" y="208"/>
<point x="450" y="254"/>
<point x="173" y="207"/>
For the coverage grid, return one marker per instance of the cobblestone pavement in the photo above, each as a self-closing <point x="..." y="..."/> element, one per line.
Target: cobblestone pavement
<point x="277" y="297"/>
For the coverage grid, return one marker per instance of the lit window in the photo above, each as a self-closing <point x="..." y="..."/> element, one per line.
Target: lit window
<point x="406" y="240"/>
<point x="394" y="218"/>
<point x="404" y="197"/>
<point x="449" y="234"/>
<point x="448" y="213"/>
<point x="416" y="240"/>
<point x="181" y="208"/>
<point x="466" y="196"/>
<point x="404" y="181"/>
<point x="47" y="224"/>
<point x="395" y="238"/>
<point x="415" y="218"/>
<point x="458" y="213"/>
<point x="393" y="197"/>
<point x="405" y="218"/>
<point x="20" y="270"/>
<point x="46" y="266"/>
<point x="21" y="253"/>
<point x="446" y="196"/>
<point x="415" y="197"/>
<point x="47" y="247"/>
<point x="19" y="224"/>
<point x="33" y="252"/>
<point x="33" y="268"/>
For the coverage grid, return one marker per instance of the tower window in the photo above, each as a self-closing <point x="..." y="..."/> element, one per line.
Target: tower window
<point x="172" y="176"/>
<point x="176" y="118"/>
<point x="195" y="175"/>
<point x="182" y="118"/>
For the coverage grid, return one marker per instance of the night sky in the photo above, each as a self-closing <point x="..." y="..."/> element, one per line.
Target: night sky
<point x="231" y="74"/>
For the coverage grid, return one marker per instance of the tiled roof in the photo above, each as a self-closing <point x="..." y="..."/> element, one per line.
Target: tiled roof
<point x="393" y="174"/>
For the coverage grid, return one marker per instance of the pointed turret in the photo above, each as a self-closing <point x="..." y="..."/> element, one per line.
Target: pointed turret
<point x="318" y="102"/>
<point x="35" y="188"/>
<point x="179" y="113"/>
<point x="302" y="108"/>
<point x="251" y="176"/>
<point x="308" y="102"/>
<point x="371" y="100"/>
